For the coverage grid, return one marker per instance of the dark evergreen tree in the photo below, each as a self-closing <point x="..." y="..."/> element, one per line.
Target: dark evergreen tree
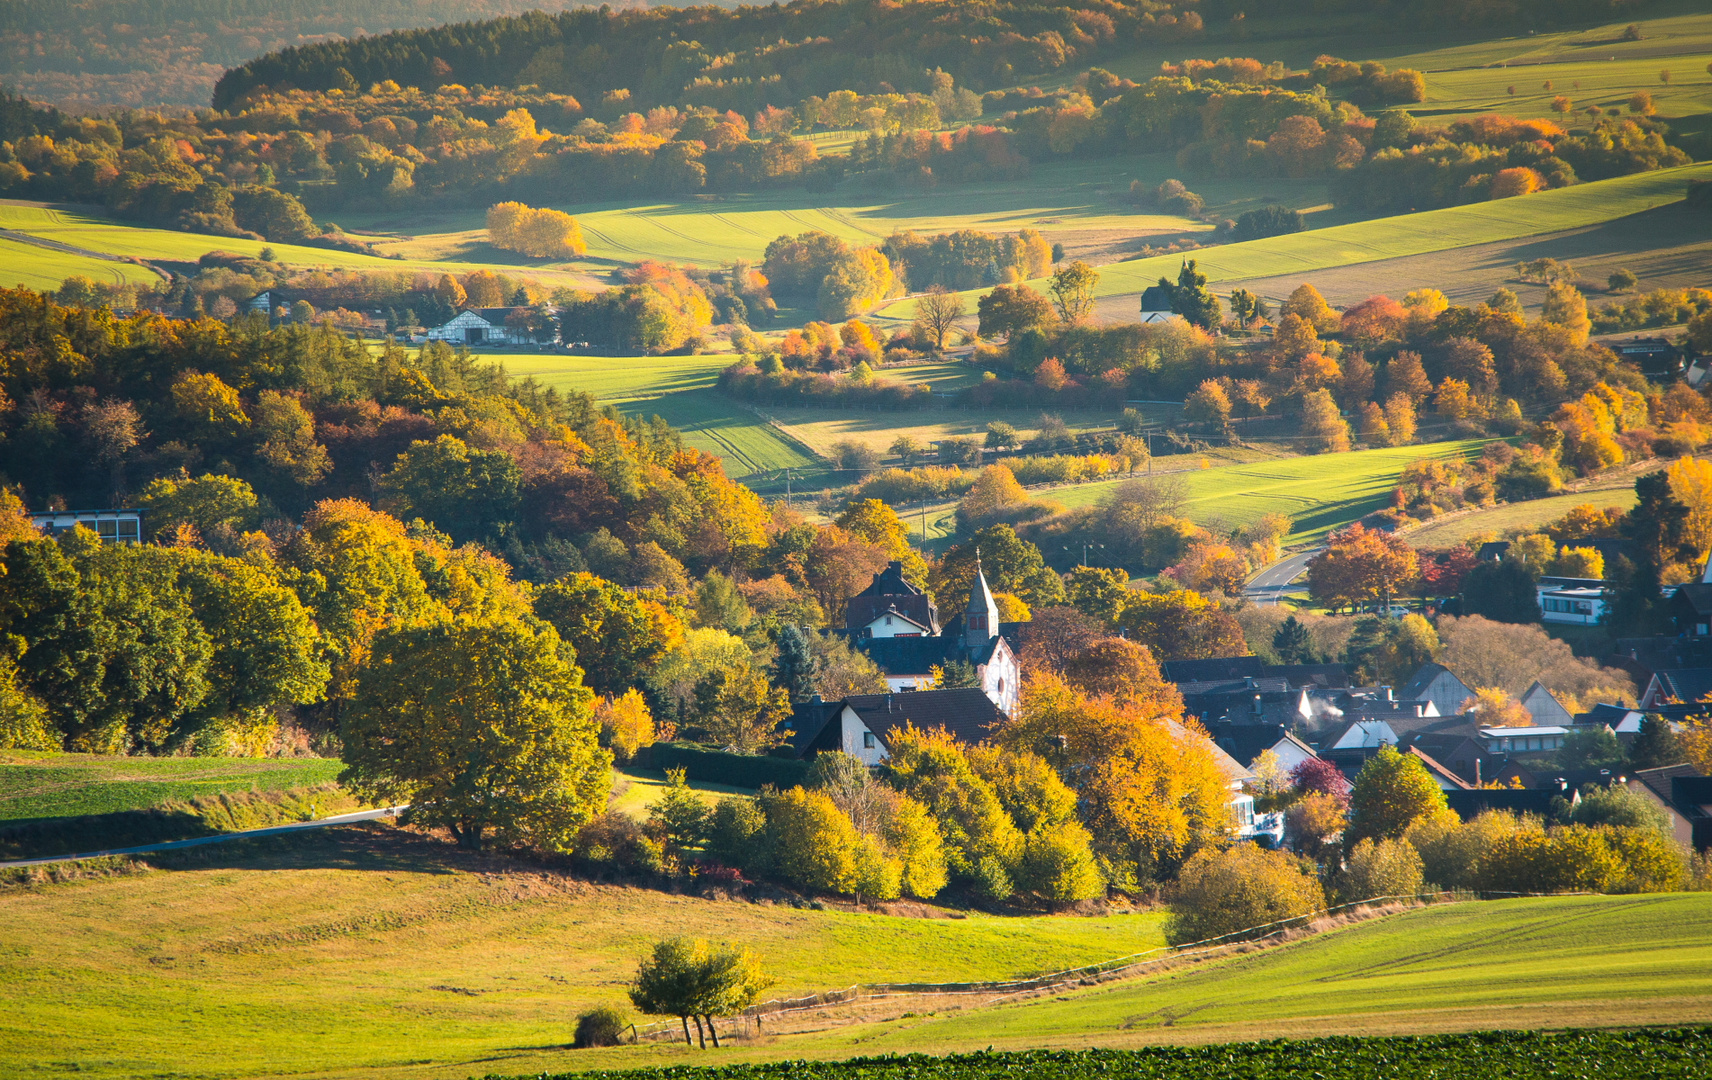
<point x="1658" y="529"/>
<point x="959" y="674"/>
<point x="796" y="665"/>
<point x="1292" y="643"/>
<point x="1501" y="591"/>
<point x="1656" y="746"/>
<point x="1191" y="298"/>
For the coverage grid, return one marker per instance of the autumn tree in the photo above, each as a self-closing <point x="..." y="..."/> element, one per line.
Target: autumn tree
<point x="616" y="635"/>
<point x="1323" y="429"/>
<point x="1307" y="302"/>
<point x="1392" y="792"/>
<point x="1361" y="565"/>
<point x="1405" y="375"/>
<point x="1072" y="291"/>
<point x="1209" y="404"/>
<point x="937" y="312"/>
<point x="1222" y="893"/>
<point x="685" y="977"/>
<point x="626" y="724"/>
<point x="538" y="233"/>
<point x="1011" y="309"/>
<point x="481" y="728"/>
<point x="1181" y="625"/>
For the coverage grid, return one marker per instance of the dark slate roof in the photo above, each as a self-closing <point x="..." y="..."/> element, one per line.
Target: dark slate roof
<point x="1245" y="742"/>
<point x="809" y="720"/>
<point x="1156" y="298"/>
<point x="1686" y="685"/>
<point x="967" y="713"/>
<point x="1661" y="781"/>
<point x="1326" y="676"/>
<point x="1250" y="685"/>
<point x="1696" y="596"/>
<point x="911" y="655"/>
<point x="1433" y="766"/>
<point x="1470" y="804"/>
<point x="1492" y="550"/>
<point x="1650" y="654"/>
<point x="1222" y="667"/>
<point x="890" y="582"/>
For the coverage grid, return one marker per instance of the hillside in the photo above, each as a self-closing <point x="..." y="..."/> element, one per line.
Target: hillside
<point x="305" y="955"/>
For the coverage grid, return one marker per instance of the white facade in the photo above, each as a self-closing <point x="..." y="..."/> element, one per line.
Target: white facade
<point x="855" y="738"/>
<point x="1544" y="708"/>
<point x="1583" y="606"/>
<point x="894" y="624"/>
<point x="470" y="328"/>
<point x="1523" y="740"/>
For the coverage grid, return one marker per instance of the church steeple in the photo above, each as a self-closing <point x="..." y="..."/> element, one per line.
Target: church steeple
<point x="981" y="618"/>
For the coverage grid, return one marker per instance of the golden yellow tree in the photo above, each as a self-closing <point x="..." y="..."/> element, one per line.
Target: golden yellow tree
<point x="1691" y="483"/>
<point x="1495" y="708"/>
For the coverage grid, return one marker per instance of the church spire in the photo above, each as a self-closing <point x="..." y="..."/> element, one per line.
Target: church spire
<point x="981" y="618"/>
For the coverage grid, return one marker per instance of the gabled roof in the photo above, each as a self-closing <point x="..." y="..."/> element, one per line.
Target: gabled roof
<point x="1416" y="687"/>
<point x="967" y="713"/>
<point x="1221" y="667"/>
<point x="1696" y="596"/>
<point x="1448" y="775"/>
<point x="899" y="656"/>
<point x="890" y="582"/>
<point x="1686" y="685"/>
<point x="1544" y="706"/>
<point x="1155" y="298"/>
<point x="1471" y="803"/>
<point x="1658" y="781"/>
<point x="1245" y="742"/>
<point x="1325" y="676"/>
<point x="892" y="610"/>
<point x="1233" y="770"/>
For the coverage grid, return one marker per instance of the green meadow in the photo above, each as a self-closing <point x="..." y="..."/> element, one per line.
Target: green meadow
<point x="1591" y="961"/>
<point x="1319" y="492"/>
<point x="373" y="952"/>
<point x="42" y="785"/>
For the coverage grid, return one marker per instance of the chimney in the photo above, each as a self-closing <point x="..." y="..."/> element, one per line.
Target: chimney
<point x="814" y="699"/>
<point x="888" y="701"/>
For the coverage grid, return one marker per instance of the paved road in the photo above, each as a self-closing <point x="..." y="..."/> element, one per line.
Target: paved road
<point x="220" y="838"/>
<point x="1274" y="581"/>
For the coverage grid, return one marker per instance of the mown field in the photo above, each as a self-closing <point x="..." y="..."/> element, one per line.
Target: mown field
<point x="86" y="228"/>
<point x="358" y="952"/>
<point x="1304" y="253"/>
<point x="1319" y="492"/>
<point x="37" y="785"/>
<point x="1534" y="513"/>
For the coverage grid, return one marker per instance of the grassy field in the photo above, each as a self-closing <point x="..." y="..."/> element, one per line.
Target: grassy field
<point x="1529" y="515"/>
<point x="1304" y="253"/>
<point x="88" y="230"/>
<point x="372" y="953"/>
<point x="39" y="785"/>
<point x="1542" y="963"/>
<point x="635" y="790"/>
<point x="39" y="268"/>
<point x="680" y="389"/>
<point x="1319" y="492"/>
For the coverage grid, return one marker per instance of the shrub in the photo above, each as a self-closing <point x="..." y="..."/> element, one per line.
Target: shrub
<point x="718" y="767"/>
<point x="1382" y="868"/>
<point x="1267" y="221"/>
<point x="600" y="1027"/>
<point x="616" y="839"/>
<point x="1058" y="864"/>
<point x="1224" y="893"/>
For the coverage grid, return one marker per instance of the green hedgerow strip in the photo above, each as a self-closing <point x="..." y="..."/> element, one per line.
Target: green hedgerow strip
<point x="1652" y="1054"/>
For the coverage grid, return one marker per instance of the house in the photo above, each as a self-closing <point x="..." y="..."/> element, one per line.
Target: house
<point x="1523" y="740"/>
<point x="891" y="607"/>
<point x="112" y="526"/>
<point x="482" y="326"/>
<point x="1446" y="779"/>
<point x="1691" y="608"/>
<point x="1267" y="829"/>
<point x="1544" y="708"/>
<point x="1437" y="684"/>
<point x="864" y="725"/>
<point x="1246" y="742"/>
<point x="906" y="652"/>
<point x="1574" y="601"/>
<point x="1156" y="305"/>
<point x="1658" y="358"/>
<point x="1681" y="685"/>
<point x="262" y="302"/>
<point x="1686" y="798"/>
<point x="1245" y="689"/>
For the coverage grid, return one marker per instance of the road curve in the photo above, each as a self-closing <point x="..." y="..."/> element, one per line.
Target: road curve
<point x="1271" y="583"/>
<point x="218" y="838"/>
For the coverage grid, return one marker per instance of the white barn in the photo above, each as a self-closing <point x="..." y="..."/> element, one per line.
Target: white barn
<point x="481" y="326"/>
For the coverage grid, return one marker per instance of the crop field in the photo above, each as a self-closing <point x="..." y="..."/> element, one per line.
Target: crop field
<point x="1539" y="963"/>
<point x="373" y="952"/>
<point x="36" y="267"/>
<point x="679" y="389"/>
<point x="820" y="428"/>
<point x="1320" y="492"/>
<point x="37" y="785"/>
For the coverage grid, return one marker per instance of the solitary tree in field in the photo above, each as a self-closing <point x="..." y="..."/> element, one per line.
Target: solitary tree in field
<point x="937" y="313"/>
<point x="685" y="978"/>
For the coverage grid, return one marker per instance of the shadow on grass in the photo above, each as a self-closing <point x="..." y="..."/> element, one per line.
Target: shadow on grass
<point x="370" y="846"/>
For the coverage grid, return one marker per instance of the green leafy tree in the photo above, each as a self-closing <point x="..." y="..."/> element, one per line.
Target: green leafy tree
<point x="1392" y="792"/>
<point x="207" y="504"/>
<point x="617" y="637"/>
<point x="1072" y="291"/>
<point x="482" y="728"/>
<point x="681" y="819"/>
<point x="686" y="978"/>
<point x="1502" y="591"/>
<point x="1191" y="298"/>
<point x="1097" y="591"/>
<point x="1011" y="564"/>
<point x="468" y="492"/>
<point x="23" y="719"/>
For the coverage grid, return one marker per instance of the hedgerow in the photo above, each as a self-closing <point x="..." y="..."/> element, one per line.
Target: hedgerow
<point x="1522" y="1055"/>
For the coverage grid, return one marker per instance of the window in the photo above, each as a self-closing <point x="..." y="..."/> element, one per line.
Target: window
<point x="867" y="740"/>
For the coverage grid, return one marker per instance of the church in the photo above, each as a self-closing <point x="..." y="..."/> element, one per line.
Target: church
<point x="897" y="626"/>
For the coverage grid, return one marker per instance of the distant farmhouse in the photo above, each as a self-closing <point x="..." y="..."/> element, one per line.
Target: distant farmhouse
<point x="482" y="326"/>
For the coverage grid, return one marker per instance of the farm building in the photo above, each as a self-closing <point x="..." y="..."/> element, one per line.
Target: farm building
<point x="482" y="326"/>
